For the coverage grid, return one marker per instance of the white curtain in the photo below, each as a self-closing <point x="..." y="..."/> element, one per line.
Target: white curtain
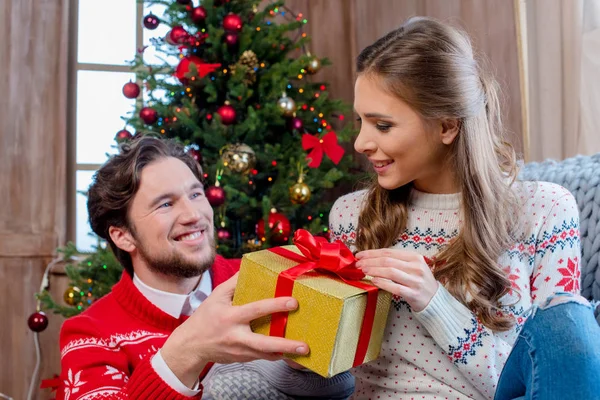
<point x="563" y="74"/>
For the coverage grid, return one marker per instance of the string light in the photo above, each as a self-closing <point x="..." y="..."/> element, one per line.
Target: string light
<point x="274" y="163"/>
<point x="341" y="117"/>
<point x="317" y="95"/>
<point x="312" y="109"/>
<point x="258" y="28"/>
<point x="320" y="115"/>
<point x="322" y="87"/>
<point x="299" y="76"/>
<point x="289" y="86"/>
<point x="301" y="90"/>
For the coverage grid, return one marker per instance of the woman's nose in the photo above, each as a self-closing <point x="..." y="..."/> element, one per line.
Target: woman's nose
<point x="363" y="143"/>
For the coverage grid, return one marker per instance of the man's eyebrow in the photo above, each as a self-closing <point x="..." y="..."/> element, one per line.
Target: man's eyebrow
<point x="167" y="196"/>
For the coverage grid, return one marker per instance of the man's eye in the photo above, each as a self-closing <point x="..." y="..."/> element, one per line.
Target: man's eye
<point x="196" y="194"/>
<point x="166" y="205"/>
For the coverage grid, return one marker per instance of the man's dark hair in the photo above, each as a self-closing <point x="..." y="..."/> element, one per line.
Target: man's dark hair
<point x="118" y="180"/>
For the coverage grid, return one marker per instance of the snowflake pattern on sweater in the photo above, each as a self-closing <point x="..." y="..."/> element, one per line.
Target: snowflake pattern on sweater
<point x="443" y="351"/>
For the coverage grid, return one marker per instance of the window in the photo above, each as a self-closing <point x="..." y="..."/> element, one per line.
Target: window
<point x="107" y="34"/>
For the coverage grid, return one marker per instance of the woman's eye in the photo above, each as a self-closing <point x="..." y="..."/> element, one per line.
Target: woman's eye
<point x="383" y="127"/>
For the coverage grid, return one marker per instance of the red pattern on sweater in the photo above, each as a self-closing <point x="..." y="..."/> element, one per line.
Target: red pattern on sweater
<point x="106" y="350"/>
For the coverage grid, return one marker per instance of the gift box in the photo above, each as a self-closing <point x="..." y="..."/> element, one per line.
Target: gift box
<point x="340" y="315"/>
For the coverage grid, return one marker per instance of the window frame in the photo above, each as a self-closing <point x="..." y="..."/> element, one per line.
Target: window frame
<point x="74" y="66"/>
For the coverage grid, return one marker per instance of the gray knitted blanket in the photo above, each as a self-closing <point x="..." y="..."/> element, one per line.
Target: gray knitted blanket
<point x="581" y="176"/>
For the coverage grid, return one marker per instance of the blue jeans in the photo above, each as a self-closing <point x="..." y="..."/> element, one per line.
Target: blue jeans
<point x="556" y="356"/>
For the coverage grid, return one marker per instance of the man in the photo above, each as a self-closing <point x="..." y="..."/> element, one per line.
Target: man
<point x="156" y="335"/>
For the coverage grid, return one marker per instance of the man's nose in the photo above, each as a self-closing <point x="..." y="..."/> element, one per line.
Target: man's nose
<point x="189" y="212"/>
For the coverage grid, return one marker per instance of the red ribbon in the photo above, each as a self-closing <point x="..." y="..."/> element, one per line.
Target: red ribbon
<point x="332" y="258"/>
<point x="328" y="144"/>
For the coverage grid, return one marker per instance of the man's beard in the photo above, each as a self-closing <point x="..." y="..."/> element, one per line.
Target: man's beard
<point x="175" y="264"/>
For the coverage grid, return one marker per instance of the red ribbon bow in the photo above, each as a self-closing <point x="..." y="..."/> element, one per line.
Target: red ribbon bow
<point x="328" y="144"/>
<point x="331" y="258"/>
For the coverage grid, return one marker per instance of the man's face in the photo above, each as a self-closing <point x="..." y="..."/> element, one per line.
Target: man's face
<point x="171" y="221"/>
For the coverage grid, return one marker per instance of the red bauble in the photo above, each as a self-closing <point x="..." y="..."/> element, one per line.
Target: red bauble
<point x="232" y="23"/>
<point x="199" y="14"/>
<point x="122" y="135"/>
<point x="227" y="114"/>
<point x="215" y="195"/>
<point x="131" y="90"/>
<point x="231" y="39"/>
<point x="296" y="123"/>
<point x="196" y="155"/>
<point x="151" y="21"/>
<point x="178" y="34"/>
<point x="223" y="234"/>
<point x="279" y="225"/>
<point x="148" y="115"/>
<point x="38" y="321"/>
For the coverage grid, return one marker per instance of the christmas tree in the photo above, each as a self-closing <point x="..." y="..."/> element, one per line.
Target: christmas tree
<point x="243" y="99"/>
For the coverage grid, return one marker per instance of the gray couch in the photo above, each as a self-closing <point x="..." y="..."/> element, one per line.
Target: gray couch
<point x="581" y="176"/>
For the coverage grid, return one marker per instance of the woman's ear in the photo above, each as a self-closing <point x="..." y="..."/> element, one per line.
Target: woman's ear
<point x="449" y="131"/>
<point x="122" y="238"/>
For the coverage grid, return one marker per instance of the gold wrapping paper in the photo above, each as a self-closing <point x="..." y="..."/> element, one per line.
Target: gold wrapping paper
<point x="329" y="314"/>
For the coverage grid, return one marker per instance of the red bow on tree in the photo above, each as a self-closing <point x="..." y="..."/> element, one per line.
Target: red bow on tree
<point x="328" y="144"/>
<point x="203" y="68"/>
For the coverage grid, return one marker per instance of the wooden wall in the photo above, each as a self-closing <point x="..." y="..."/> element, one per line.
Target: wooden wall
<point x="33" y="109"/>
<point x="33" y="65"/>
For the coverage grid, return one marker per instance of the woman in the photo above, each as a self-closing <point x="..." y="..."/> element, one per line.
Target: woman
<point x="465" y="248"/>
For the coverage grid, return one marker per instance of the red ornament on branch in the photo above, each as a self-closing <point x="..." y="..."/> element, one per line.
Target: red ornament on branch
<point x="123" y="135"/>
<point x="37" y="322"/>
<point x="202" y="68"/>
<point x="196" y="155"/>
<point x="215" y="195"/>
<point x="223" y="234"/>
<point x="279" y="226"/>
<point x="198" y="14"/>
<point x="231" y="39"/>
<point x="178" y="35"/>
<point x="232" y="23"/>
<point x="148" y="115"/>
<point x="131" y="90"/>
<point x="328" y="144"/>
<point x="227" y="114"/>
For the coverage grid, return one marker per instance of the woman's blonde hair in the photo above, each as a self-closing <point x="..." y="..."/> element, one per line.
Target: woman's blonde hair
<point x="431" y="66"/>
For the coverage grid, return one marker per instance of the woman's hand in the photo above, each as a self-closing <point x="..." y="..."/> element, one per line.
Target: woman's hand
<point x="403" y="273"/>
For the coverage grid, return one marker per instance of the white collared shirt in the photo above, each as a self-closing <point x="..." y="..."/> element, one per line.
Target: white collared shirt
<point x="175" y="305"/>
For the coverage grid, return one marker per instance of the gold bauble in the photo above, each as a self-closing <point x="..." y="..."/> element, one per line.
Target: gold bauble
<point x="250" y="61"/>
<point x="314" y="65"/>
<point x="287" y="105"/>
<point x="72" y="295"/>
<point x="238" y="158"/>
<point x="299" y="193"/>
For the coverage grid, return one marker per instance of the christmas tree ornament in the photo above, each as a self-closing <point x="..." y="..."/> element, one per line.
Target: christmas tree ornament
<point x="198" y="14"/>
<point x="195" y="154"/>
<point x="296" y="124"/>
<point x="223" y="234"/>
<point x="169" y="40"/>
<point x="215" y="195"/>
<point x="72" y="295"/>
<point x="238" y="157"/>
<point x="148" y="115"/>
<point x="250" y="61"/>
<point x="314" y="65"/>
<point x="299" y="192"/>
<point x="151" y="21"/>
<point x="131" y="90"/>
<point x="232" y="23"/>
<point x="231" y="38"/>
<point x="38" y="321"/>
<point x="227" y="113"/>
<point x="182" y="72"/>
<point x="286" y="105"/>
<point x="328" y="144"/>
<point x="178" y="35"/>
<point x="123" y="135"/>
<point x="253" y="244"/>
<point x="279" y="227"/>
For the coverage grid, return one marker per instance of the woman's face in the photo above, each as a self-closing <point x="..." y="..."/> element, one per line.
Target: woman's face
<point x="400" y="145"/>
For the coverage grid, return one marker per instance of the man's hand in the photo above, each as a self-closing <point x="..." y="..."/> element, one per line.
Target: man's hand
<point x="220" y="332"/>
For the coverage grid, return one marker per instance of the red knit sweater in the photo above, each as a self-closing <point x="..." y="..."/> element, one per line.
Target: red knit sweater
<point x="106" y="350"/>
